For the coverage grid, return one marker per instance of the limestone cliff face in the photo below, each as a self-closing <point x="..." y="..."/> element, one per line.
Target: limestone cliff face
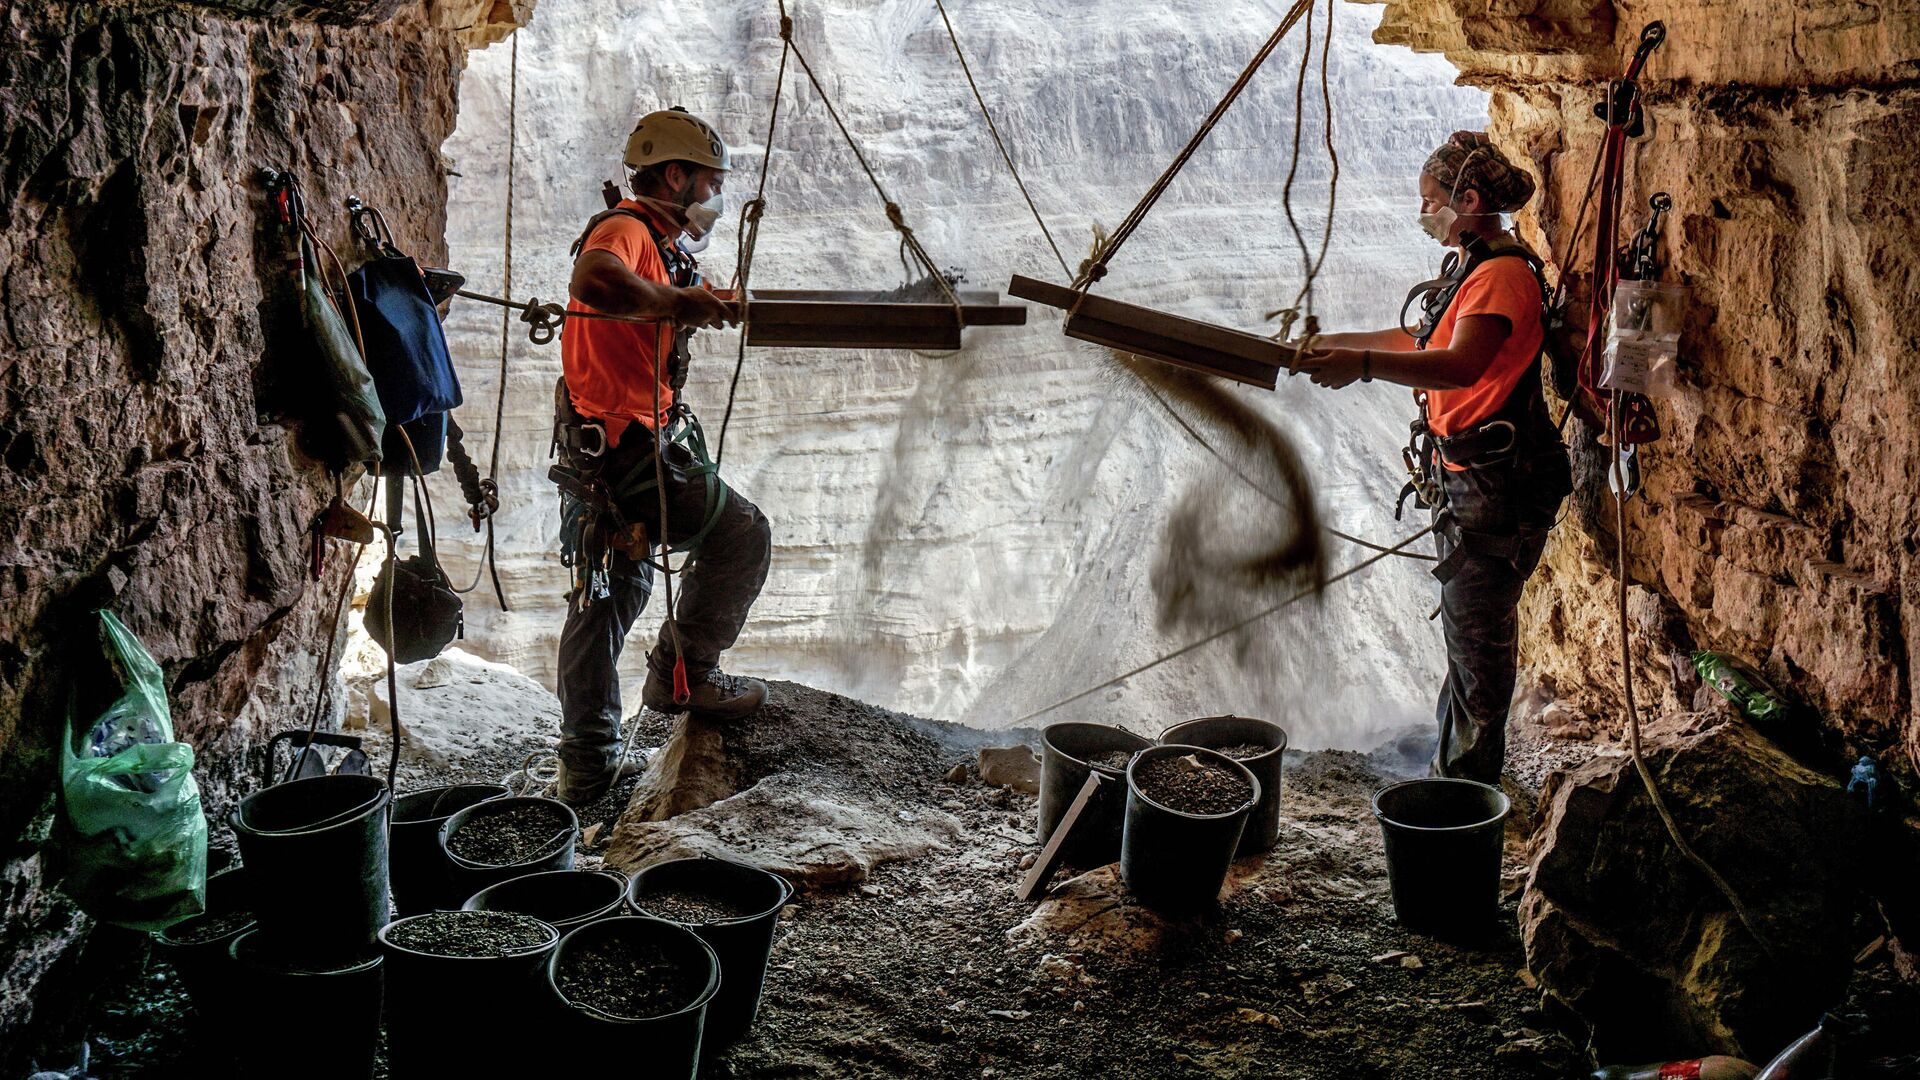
<point x="150" y="460"/>
<point x="971" y="537"/>
<point x="1779" y="516"/>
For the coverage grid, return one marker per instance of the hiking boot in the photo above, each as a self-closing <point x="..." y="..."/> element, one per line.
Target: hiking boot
<point x="714" y="696"/>
<point x="578" y="791"/>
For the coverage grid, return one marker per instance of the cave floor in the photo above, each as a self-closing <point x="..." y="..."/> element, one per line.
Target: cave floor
<point x="915" y="971"/>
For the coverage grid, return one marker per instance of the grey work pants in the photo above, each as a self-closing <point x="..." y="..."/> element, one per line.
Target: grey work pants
<point x="714" y="595"/>
<point x="1489" y="542"/>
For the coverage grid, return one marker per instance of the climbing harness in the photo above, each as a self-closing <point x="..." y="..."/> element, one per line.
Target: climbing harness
<point x="1519" y="428"/>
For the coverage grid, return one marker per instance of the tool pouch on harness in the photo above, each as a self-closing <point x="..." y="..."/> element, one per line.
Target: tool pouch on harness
<point x="610" y="498"/>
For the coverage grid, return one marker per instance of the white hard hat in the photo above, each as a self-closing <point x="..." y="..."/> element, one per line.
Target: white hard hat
<point x="676" y="135"/>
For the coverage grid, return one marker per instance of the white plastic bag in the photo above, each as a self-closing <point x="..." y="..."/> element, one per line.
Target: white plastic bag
<point x="1643" y="338"/>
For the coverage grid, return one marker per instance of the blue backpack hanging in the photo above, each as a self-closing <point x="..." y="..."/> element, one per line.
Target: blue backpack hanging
<point x="405" y="347"/>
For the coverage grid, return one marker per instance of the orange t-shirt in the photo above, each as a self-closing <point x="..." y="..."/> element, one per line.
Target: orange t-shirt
<point x="1506" y="287"/>
<point x="610" y="366"/>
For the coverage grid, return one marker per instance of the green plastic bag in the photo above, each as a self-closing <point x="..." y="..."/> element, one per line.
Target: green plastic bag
<point x="1743" y="686"/>
<point x="137" y="852"/>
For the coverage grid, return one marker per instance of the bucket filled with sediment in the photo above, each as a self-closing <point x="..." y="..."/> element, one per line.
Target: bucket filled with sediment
<point x="1068" y="753"/>
<point x="316" y="857"/>
<point x="502" y="839"/>
<point x="1443" y="839"/>
<point x="1261" y="746"/>
<point x="300" y="1016"/>
<point x="200" y="948"/>
<point x="421" y="876"/>
<point x="633" y="995"/>
<point x="563" y="899"/>
<point x="1186" y="809"/>
<point x="732" y="907"/>
<point x="466" y="993"/>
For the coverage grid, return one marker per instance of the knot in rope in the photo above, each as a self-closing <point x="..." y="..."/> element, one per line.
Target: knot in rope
<point x="543" y="320"/>
<point x="899" y="219"/>
<point x="786" y="27"/>
<point x="754" y="208"/>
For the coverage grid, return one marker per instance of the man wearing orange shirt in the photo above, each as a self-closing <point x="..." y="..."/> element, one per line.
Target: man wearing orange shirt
<point x="629" y="437"/>
<point x="1494" y="470"/>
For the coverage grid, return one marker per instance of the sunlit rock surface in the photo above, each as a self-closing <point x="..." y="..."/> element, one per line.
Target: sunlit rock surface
<point x="1014" y="491"/>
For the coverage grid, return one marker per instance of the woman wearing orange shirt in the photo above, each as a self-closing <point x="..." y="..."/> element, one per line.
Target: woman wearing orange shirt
<point x="1495" y="470"/>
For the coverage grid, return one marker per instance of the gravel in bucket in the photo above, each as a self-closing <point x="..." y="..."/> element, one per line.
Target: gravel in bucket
<point x="471" y="934"/>
<point x="693" y="907"/>
<point x="512" y="836"/>
<point x="205" y="928"/>
<point x="1192" y="785"/>
<point x="1111" y="759"/>
<point x="1243" y="751"/>
<point x="630" y="979"/>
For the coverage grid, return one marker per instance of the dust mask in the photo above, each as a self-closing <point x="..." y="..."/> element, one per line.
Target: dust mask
<point x="1439" y="224"/>
<point x="702" y="216"/>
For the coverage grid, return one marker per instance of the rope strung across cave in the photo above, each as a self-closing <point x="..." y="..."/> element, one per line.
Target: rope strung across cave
<point x="1191" y="646"/>
<point x="483" y="499"/>
<point x="1095" y="267"/>
<point x="749" y="237"/>
<point x="1312" y="268"/>
<point x="909" y="243"/>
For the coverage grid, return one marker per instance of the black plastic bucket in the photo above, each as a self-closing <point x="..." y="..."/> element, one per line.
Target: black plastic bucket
<point x="742" y="943"/>
<point x="316" y="853"/>
<point x="422" y="878"/>
<point x="1443" y="839"/>
<point x="1176" y="861"/>
<point x="563" y="898"/>
<point x="201" y="948"/>
<point x="1214" y="732"/>
<point x="466" y="1016"/>
<point x="668" y="1045"/>
<point x="470" y="877"/>
<point x="300" y="1019"/>
<point x="1064" y="749"/>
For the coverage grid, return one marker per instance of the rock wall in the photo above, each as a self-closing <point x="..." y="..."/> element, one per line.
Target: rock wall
<point x="1779" y="514"/>
<point x="971" y="537"/>
<point x="152" y="463"/>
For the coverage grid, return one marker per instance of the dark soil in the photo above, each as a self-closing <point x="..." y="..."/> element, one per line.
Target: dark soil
<point x="1192" y="785"/>
<point x="516" y="835"/>
<point x="472" y="934"/>
<point x="692" y="908"/>
<point x="1242" y="751"/>
<point x="1111" y="759"/>
<point x="626" y="978"/>
<point x="206" y="928"/>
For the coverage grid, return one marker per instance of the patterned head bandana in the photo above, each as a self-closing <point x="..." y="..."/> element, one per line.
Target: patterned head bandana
<point x="1468" y="160"/>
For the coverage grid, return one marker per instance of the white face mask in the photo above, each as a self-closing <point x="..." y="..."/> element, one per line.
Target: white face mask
<point x="702" y="216"/>
<point x="1439" y="224"/>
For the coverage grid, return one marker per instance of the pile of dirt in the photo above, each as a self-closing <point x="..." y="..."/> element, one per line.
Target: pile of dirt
<point x="621" y="976"/>
<point x="511" y="835"/>
<point x="1193" y="785"/>
<point x="692" y="907"/>
<point x="472" y="934"/>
